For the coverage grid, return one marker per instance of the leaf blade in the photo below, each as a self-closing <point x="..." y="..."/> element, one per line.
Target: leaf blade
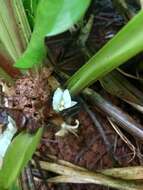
<point x="19" y="153"/>
<point x="126" y="44"/>
<point x="53" y="17"/>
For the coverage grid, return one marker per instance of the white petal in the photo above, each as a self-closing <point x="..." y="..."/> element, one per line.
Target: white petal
<point x="61" y="133"/>
<point x="6" y="137"/>
<point x="73" y="103"/>
<point x="57" y="97"/>
<point x="4" y="143"/>
<point x="62" y="100"/>
<point x="67" y="99"/>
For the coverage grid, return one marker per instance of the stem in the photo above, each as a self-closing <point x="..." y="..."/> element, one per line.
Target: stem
<point x="126" y="44"/>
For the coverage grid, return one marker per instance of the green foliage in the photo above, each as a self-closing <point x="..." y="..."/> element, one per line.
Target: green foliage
<point x="31" y="8"/>
<point x="14" y="36"/>
<point x="53" y="17"/>
<point x="15" y="187"/>
<point x="126" y="44"/>
<point x="14" y="30"/>
<point x="17" y="156"/>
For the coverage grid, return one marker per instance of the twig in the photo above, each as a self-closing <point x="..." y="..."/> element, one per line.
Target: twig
<point x="89" y="177"/>
<point x="122" y="6"/>
<point x="23" y="179"/>
<point x="117" y="115"/>
<point x="98" y="125"/>
<point x="129" y="75"/>
<point x="84" y="35"/>
<point x="31" y="182"/>
<point x="131" y="173"/>
<point x="128" y="173"/>
<point x="124" y="138"/>
<point x="43" y="177"/>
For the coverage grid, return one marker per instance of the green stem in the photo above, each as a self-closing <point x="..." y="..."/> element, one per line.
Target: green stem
<point x="126" y="44"/>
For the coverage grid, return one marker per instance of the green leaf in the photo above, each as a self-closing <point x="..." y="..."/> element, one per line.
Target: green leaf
<point x="18" y="154"/>
<point x="14" y="28"/>
<point x="15" y="186"/>
<point x="30" y="9"/>
<point x="53" y="17"/>
<point x="126" y="44"/>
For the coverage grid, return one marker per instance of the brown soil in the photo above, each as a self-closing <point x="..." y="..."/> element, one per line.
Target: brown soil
<point x="87" y="150"/>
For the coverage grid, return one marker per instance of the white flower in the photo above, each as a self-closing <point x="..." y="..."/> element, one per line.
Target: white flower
<point x="6" y="137"/>
<point x="66" y="128"/>
<point x="62" y="100"/>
